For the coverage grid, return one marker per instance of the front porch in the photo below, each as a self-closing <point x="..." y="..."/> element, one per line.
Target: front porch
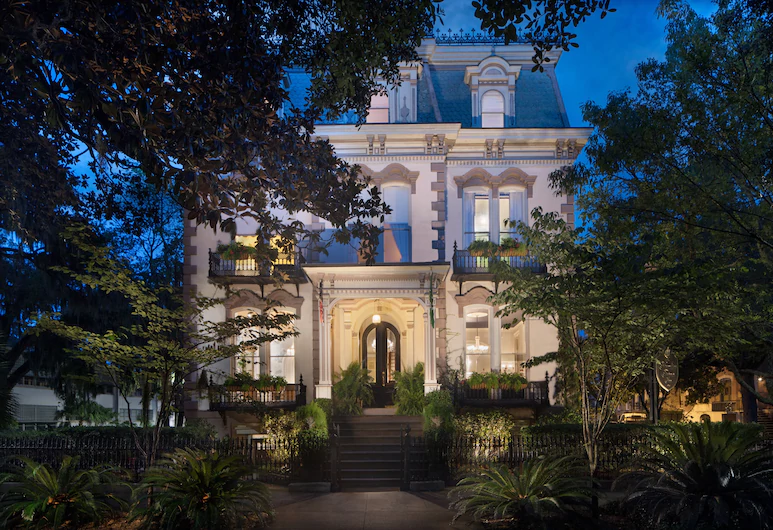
<point x="381" y="316"/>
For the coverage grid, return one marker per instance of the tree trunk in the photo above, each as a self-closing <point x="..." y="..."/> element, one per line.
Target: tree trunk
<point x="749" y="400"/>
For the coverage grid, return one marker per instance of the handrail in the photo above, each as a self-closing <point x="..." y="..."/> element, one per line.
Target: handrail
<point x="466" y="263"/>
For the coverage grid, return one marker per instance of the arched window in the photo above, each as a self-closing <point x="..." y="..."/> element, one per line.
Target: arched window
<point x="492" y="109"/>
<point x="379" y="109"/>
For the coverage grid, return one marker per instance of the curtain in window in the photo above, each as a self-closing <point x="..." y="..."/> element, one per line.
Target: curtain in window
<point x="518" y="207"/>
<point x="468" y="218"/>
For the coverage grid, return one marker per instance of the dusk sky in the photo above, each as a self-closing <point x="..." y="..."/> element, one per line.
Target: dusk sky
<point x="609" y="49"/>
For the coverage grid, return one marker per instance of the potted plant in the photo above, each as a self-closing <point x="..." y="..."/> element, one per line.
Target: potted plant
<point x="492" y="384"/>
<point x="482" y="248"/>
<point x="280" y="383"/>
<point x="511" y="247"/>
<point x="511" y="382"/>
<point x="235" y="251"/>
<point x="477" y="381"/>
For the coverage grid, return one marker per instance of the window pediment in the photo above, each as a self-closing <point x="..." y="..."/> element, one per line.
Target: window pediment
<point x="394" y="173"/>
<point x="480" y="177"/>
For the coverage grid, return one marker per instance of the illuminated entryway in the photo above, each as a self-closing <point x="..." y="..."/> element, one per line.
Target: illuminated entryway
<point x="380" y="346"/>
<point x="362" y="308"/>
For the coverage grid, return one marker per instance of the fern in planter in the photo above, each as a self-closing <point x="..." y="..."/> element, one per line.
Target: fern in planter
<point x="511" y="247"/>
<point x="482" y="248"/>
<point x="235" y="251"/>
<point x="476" y="381"/>
<point x="409" y="391"/>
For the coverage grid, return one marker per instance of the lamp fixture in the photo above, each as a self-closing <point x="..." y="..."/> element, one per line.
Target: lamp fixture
<point x="477" y="347"/>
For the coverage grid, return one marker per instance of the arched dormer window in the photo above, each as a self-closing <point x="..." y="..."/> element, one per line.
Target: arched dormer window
<point x="492" y="109"/>
<point x="492" y="91"/>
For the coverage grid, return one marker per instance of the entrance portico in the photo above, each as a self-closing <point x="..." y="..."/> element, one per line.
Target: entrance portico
<point x="351" y="298"/>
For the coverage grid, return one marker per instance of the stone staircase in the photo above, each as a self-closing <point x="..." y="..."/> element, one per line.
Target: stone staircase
<point x="369" y="450"/>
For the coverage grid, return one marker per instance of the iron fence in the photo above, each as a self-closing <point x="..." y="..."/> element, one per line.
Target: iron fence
<point x="280" y="461"/>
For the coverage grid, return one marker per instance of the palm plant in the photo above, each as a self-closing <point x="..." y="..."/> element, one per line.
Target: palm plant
<point x="544" y="490"/>
<point x="63" y="498"/>
<point x="707" y="475"/>
<point x="409" y="391"/>
<point x="199" y="490"/>
<point x="352" y="390"/>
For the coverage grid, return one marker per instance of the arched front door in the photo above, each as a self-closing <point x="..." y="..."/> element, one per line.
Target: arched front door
<point x="381" y="356"/>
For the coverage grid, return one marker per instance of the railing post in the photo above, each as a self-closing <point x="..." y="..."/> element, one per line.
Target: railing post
<point x="335" y="483"/>
<point x="405" y="483"/>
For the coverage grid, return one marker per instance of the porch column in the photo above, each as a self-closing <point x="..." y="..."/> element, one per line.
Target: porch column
<point x="494" y="227"/>
<point x="325" y="387"/>
<point x="495" y="339"/>
<point x="430" y="367"/>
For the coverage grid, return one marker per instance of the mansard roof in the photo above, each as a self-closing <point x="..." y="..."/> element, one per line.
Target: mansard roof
<point x="444" y="97"/>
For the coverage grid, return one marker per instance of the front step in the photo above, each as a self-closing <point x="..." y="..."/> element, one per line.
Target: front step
<point x="369" y="449"/>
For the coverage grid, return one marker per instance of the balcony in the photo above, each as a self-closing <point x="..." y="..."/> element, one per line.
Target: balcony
<point x="725" y="406"/>
<point x="469" y="267"/>
<point x="236" y="399"/>
<point x="533" y="394"/>
<point x="249" y="270"/>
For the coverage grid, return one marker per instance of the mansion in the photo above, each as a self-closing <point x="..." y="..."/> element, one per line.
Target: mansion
<point x="467" y="141"/>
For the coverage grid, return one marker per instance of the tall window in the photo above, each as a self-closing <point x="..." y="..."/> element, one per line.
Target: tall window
<point x="512" y="208"/>
<point x="513" y="354"/>
<point x="248" y="360"/>
<point x="477" y="348"/>
<point x="395" y="243"/>
<point x="476" y="217"/>
<point x="492" y="109"/>
<point x="379" y="109"/>
<point x="282" y="355"/>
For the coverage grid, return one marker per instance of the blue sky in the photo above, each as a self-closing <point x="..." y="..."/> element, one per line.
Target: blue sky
<point x="609" y="49"/>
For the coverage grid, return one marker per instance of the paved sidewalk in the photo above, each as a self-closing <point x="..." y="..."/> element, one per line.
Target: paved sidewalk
<point x="392" y="510"/>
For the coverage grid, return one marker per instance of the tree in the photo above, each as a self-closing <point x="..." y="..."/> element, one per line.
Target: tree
<point x="594" y="293"/>
<point x="543" y="23"/>
<point x="164" y="343"/>
<point x="687" y="157"/>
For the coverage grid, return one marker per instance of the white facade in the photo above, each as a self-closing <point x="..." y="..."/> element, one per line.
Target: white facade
<point x="449" y="167"/>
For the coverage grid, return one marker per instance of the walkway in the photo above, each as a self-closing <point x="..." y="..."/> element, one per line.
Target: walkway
<point x="393" y="510"/>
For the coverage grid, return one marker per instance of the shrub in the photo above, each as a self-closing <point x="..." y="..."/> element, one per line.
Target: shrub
<point x="544" y="489"/>
<point x="438" y="411"/>
<point x="281" y="425"/>
<point x="327" y="407"/>
<point x="707" y="475"/>
<point x="67" y="497"/>
<point x="198" y="490"/>
<point x="352" y="390"/>
<point x="485" y="425"/>
<point x="313" y="418"/>
<point x="409" y="391"/>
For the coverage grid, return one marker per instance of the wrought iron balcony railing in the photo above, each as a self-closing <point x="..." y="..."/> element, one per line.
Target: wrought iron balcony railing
<point x="224" y="398"/>
<point x="250" y="267"/>
<point x="534" y="393"/>
<point x="465" y="263"/>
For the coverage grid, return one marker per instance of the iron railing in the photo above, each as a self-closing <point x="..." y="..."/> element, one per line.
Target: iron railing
<point x="535" y="393"/>
<point x="221" y="267"/>
<point x="222" y="398"/>
<point x="466" y="263"/>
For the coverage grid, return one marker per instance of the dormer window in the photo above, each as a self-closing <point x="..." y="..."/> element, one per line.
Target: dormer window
<point x="492" y="92"/>
<point x="492" y="111"/>
<point x="379" y="109"/>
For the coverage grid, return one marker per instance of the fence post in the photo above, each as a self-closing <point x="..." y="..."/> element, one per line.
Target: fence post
<point x="335" y="483"/>
<point x="405" y="445"/>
